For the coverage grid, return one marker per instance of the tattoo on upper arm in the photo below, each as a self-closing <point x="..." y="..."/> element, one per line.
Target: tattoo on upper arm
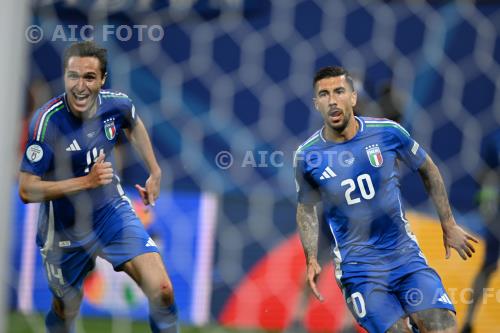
<point x="308" y="225"/>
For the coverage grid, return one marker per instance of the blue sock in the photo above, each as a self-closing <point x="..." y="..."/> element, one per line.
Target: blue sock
<point x="56" y="324"/>
<point x="163" y="319"/>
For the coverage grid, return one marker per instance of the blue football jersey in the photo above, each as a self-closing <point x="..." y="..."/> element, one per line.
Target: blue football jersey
<point x="61" y="146"/>
<point x="358" y="183"/>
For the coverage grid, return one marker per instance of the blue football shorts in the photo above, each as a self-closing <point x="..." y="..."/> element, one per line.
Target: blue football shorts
<point x="378" y="302"/>
<point x="119" y="239"/>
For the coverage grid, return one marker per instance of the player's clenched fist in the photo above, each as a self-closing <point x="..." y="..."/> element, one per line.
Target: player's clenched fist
<point x="101" y="172"/>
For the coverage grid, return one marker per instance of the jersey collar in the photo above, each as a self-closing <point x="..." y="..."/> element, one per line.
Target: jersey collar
<point x="67" y="104"/>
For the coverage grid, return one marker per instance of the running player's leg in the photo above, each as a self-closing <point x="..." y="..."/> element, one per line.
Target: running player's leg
<point x="373" y="306"/>
<point x="150" y="274"/>
<point x="65" y="271"/>
<point x="423" y="297"/>
<point x="130" y="249"/>
<point x="62" y="314"/>
<point x="401" y="326"/>
<point x="435" y="321"/>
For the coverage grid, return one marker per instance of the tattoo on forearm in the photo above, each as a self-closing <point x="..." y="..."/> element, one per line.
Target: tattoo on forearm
<point x="435" y="187"/>
<point x="308" y="225"/>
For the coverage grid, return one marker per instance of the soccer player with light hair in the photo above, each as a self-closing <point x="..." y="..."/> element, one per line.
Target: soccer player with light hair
<point x="350" y="165"/>
<point x="84" y="213"/>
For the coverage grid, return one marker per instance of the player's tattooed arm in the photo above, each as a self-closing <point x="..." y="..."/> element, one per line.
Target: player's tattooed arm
<point x="308" y="225"/>
<point x="434" y="185"/>
<point x="453" y="235"/>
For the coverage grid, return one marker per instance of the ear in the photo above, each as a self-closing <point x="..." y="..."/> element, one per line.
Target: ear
<point x="354" y="98"/>
<point x="105" y="76"/>
<point x="315" y="103"/>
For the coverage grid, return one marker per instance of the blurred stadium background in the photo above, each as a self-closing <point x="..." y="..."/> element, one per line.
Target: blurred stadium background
<point x="235" y="76"/>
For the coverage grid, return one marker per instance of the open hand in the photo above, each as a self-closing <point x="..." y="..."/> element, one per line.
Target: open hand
<point x="313" y="270"/>
<point x="455" y="237"/>
<point x="150" y="192"/>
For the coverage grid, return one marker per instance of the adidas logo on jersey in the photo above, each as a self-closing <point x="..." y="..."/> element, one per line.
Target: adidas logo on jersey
<point x="444" y="299"/>
<point x="327" y="174"/>
<point x="74" y="146"/>
<point x="150" y="242"/>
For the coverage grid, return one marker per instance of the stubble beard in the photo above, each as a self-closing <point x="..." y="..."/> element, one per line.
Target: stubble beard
<point x="339" y="128"/>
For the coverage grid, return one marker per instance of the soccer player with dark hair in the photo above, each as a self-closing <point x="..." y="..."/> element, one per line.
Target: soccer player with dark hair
<point x="350" y="165"/>
<point x="84" y="213"/>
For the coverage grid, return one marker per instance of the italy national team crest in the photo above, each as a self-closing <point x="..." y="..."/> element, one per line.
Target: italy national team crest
<point x="374" y="155"/>
<point x="109" y="128"/>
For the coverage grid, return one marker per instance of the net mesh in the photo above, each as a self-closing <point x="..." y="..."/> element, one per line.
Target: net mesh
<point x="233" y="76"/>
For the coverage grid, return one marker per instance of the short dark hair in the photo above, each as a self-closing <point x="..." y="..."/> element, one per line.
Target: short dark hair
<point x="87" y="49"/>
<point x="333" y="71"/>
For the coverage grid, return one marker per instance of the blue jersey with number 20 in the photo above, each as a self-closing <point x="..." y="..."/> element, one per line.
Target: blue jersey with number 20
<point x="358" y="183"/>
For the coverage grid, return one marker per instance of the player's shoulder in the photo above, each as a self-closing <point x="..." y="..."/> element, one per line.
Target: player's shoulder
<point x="45" y="115"/>
<point x="114" y="97"/>
<point x="311" y="142"/>
<point x="116" y="101"/>
<point x="384" y="126"/>
<point x="51" y="107"/>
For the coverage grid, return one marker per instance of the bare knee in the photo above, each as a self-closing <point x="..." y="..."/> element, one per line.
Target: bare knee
<point x="67" y="309"/>
<point x="163" y="294"/>
<point x="435" y="321"/>
<point x="148" y="272"/>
